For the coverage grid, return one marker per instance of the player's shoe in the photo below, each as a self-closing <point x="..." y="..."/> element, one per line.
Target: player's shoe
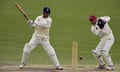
<point x="22" y="66"/>
<point x="110" y="67"/>
<point x="59" y="68"/>
<point x="100" y="67"/>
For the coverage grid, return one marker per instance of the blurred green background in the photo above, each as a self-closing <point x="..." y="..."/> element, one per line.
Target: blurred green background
<point x="70" y="23"/>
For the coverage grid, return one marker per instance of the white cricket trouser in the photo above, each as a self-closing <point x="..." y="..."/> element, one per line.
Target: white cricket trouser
<point x="45" y="44"/>
<point x="103" y="49"/>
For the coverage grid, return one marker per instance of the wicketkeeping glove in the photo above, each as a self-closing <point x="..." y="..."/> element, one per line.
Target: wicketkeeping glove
<point x="101" y="23"/>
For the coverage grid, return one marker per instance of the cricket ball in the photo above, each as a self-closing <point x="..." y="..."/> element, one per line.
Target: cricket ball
<point x="81" y="58"/>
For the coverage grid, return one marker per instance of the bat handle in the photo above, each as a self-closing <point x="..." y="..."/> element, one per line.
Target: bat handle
<point x="26" y="17"/>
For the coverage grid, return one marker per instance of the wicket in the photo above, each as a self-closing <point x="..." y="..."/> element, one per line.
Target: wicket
<point x="74" y="54"/>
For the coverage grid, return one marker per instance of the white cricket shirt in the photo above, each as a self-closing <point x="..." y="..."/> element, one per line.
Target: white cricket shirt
<point x="42" y="26"/>
<point x="102" y="33"/>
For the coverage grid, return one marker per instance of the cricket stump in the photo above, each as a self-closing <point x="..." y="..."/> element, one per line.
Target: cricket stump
<point x="74" y="55"/>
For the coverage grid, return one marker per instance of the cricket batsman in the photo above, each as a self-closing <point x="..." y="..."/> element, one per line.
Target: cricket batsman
<point x="101" y="28"/>
<point x="40" y="36"/>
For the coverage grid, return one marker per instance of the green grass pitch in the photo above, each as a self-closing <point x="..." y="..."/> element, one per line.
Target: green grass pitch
<point x="70" y="23"/>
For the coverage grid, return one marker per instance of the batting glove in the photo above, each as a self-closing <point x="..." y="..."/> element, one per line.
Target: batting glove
<point x="30" y="22"/>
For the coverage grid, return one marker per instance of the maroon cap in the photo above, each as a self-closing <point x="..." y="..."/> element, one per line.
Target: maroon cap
<point x="92" y="18"/>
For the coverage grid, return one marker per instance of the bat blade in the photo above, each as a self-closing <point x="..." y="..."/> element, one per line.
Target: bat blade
<point x="22" y="11"/>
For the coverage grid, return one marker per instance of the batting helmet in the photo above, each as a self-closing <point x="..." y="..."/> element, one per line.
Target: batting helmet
<point x="92" y="18"/>
<point x="46" y="10"/>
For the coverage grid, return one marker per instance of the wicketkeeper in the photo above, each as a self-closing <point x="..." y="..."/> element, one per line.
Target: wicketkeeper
<point x="101" y="28"/>
<point x="40" y="36"/>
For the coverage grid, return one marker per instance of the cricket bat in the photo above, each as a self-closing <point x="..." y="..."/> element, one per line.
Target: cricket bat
<point x="22" y="11"/>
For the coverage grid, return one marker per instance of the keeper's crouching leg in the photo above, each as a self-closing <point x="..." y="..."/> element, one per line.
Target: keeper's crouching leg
<point x="99" y="60"/>
<point x="107" y="59"/>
